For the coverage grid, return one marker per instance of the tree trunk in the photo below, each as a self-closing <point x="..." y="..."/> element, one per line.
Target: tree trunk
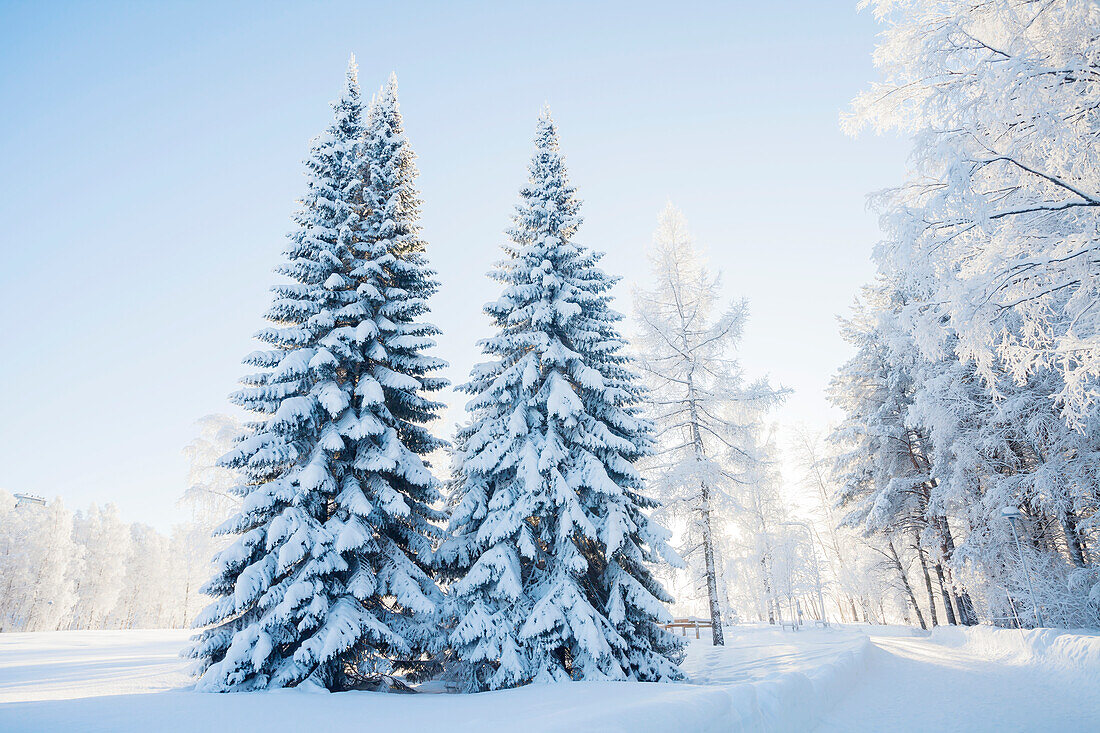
<point x="1076" y="546"/>
<point x="967" y="615"/>
<point x="815" y="612"/>
<point x="905" y="583"/>
<point x="186" y="601"/>
<point x="927" y="581"/>
<point x="946" y="596"/>
<point x="712" y="578"/>
<point x="1068" y="520"/>
<point x="768" y="595"/>
<point x="1037" y="532"/>
<point x="708" y="536"/>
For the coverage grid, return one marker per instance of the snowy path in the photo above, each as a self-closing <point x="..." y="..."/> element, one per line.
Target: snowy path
<point x="764" y="680"/>
<point x="962" y="688"/>
<point x="755" y="654"/>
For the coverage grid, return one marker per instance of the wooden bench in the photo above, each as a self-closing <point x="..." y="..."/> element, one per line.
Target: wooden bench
<point x="689" y="623"/>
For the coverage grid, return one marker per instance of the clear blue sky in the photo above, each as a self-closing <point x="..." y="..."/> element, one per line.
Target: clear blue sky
<point x="151" y="155"/>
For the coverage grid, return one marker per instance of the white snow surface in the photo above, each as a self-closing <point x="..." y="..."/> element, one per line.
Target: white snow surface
<point x="978" y="679"/>
<point x="850" y="678"/>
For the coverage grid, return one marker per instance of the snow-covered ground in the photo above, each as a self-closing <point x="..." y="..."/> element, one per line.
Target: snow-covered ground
<point x="976" y="680"/>
<point x="855" y="678"/>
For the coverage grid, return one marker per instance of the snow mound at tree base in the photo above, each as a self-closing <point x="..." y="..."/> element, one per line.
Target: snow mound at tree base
<point x="1073" y="650"/>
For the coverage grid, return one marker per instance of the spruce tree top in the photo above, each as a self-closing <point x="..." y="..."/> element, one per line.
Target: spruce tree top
<point x="392" y="226"/>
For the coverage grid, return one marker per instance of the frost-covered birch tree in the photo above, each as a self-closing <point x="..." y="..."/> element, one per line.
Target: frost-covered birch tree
<point x="699" y="400"/>
<point x="883" y="459"/>
<point x="100" y="567"/>
<point x="1001" y="209"/>
<point x="209" y="498"/>
<point x="328" y="582"/>
<point x="987" y="330"/>
<point x="815" y="460"/>
<point x="146" y="595"/>
<point x="550" y="549"/>
<point x="38" y="561"/>
<point x="757" y="518"/>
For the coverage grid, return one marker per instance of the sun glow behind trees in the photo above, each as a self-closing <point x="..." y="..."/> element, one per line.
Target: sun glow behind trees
<point x="707" y="417"/>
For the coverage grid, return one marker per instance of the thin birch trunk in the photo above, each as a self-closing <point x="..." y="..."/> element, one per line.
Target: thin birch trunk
<point x="927" y="580"/>
<point x="708" y="531"/>
<point x="951" y="620"/>
<point x="769" y="595"/>
<point x="905" y="583"/>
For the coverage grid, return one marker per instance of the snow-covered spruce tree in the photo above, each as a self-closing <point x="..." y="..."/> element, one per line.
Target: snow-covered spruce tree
<point x="327" y="584"/>
<point x="549" y="548"/>
<point x="704" y="411"/>
<point x="392" y="231"/>
<point x="392" y="225"/>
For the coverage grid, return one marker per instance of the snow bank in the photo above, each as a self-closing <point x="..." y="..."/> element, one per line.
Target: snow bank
<point x="1075" y="650"/>
<point x="972" y="680"/>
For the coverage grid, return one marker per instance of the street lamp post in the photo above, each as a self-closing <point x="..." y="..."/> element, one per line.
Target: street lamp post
<point x="1012" y="514"/>
<point x="817" y="570"/>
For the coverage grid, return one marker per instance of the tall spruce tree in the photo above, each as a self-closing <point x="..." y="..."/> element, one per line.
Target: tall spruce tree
<point x="327" y="584"/>
<point x="549" y="542"/>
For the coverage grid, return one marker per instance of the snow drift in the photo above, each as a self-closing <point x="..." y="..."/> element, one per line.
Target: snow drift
<point x="1072" y="650"/>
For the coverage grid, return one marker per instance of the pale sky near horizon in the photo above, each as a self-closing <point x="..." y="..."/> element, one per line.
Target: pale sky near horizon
<point x="151" y="156"/>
